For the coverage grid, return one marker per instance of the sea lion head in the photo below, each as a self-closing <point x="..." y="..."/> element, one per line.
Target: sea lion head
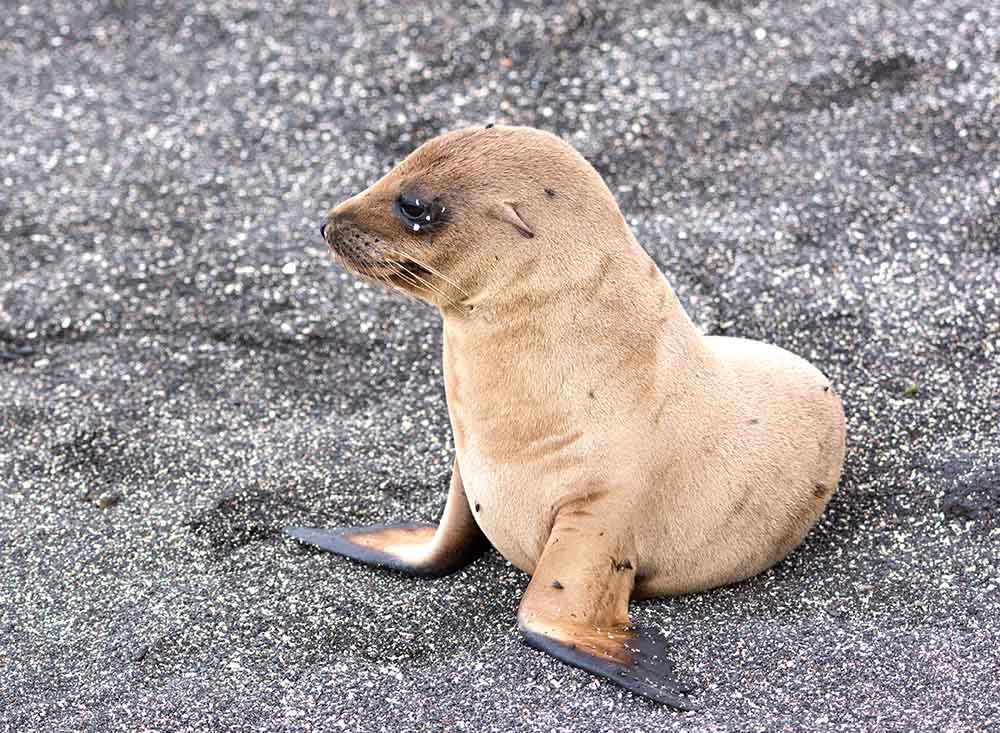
<point x="451" y="221"/>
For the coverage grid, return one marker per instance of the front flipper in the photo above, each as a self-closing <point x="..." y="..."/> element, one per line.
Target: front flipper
<point x="413" y="548"/>
<point x="576" y="609"/>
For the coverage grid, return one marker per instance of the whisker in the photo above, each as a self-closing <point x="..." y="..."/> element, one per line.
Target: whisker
<point x="431" y="270"/>
<point x="379" y="279"/>
<point x="438" y="273"/>
<point x="429" y="286"/>
<point x="407" y="277"/>
<point x="400" y="273"/>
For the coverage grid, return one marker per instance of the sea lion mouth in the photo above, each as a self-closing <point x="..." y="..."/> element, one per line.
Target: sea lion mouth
<point x="354" y="251"/>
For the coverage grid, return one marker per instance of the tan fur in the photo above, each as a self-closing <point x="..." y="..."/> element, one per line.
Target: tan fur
<point x="714" y="447"/>
<point x="581" y="395"/>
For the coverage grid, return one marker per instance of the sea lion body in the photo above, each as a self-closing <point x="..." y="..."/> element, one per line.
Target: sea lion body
<point x="718" y="453"/>
<point x="602" y="443"/>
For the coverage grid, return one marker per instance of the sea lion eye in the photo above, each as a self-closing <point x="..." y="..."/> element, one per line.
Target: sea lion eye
<point x="415" y="211"/>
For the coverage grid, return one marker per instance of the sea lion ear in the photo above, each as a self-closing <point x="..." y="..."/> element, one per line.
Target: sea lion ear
<point x="506" y="212"/>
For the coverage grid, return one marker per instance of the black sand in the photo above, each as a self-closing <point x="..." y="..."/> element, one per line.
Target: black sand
<point x="182" y="371"/>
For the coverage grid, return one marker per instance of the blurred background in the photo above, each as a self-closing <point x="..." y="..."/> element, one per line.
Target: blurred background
<point x="183" y="371"/>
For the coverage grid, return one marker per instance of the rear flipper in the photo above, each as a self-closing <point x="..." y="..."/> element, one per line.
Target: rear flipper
<point x="404" y="547"/>
<point x="414" y="548"/>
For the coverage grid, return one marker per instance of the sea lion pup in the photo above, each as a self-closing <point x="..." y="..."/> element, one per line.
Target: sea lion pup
<point x="603" y="445"/>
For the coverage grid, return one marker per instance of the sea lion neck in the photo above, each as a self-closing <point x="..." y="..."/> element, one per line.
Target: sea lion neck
<point x="552" y="308"/>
